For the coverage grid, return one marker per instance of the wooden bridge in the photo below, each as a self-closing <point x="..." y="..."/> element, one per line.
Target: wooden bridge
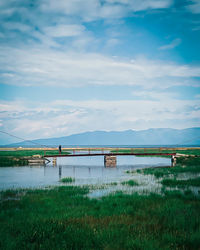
<point x="110" y="154"/>
<point x="109" y="157"/>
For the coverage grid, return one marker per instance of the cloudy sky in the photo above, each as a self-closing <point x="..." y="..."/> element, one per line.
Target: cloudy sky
<point x="69" y="66"/>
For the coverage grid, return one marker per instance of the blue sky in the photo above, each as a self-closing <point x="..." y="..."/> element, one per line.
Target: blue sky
<point x="70" y="66"/>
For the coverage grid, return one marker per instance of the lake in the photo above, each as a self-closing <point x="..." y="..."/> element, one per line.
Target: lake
<point x="85" y="170"/>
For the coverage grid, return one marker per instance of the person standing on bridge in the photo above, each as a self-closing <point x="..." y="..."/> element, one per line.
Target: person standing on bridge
<point x="59" y="149"/>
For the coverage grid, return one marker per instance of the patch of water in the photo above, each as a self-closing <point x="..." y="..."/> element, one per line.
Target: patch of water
<point x="146" y="184"/>
<point x="85" y="170"/>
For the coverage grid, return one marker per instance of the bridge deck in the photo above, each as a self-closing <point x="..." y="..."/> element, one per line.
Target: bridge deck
<point x="110" y="154"/>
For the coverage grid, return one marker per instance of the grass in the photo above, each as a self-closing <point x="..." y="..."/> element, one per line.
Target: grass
<point x="23" y="153"/>
<point x="184" y="165"/>
<point x="181" y="183"/>
<point x="67" y="180"/>
<point x="187" y="151"/>
<point x="113" y="184"/>
<point x="19" y="157"/>
<point x="8" y="161"/>
<point x="130" y="183"/>
<point x="65" y="218"/>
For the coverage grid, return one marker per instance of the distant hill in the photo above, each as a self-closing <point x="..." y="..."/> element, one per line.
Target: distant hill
<point x="159" y="136"/>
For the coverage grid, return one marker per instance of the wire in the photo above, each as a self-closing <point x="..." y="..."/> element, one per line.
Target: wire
<point x="23" y="139"/>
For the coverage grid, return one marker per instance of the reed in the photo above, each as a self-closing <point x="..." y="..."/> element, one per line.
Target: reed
<point x="67" y="180"/>
<point x="65" y="218"/>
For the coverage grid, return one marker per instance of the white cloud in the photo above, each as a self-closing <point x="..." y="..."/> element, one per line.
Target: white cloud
<point x="157" y="95"/>
<point x="112" y="42"/>
<point x="52" y="67"/>
<point x="66" y="30"/>
<point x="87" y="9"/>
<point x="65" y="117"/>
<point x="171" y="45"/>
<point x="139" y="5"/>
<point x="17" y="26"/>
<point x="94" y="9"/>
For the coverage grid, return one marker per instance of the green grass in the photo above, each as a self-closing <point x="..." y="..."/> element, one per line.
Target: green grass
<point x="158" y="150"/>
<point x="65" y="218"/>
<point x="23" y="153"/>
<point x="18" y="157"/>
<point x="113" y="184"/>
<point x="8" y="161"/>
<point x="130" y="183"/>
<point x="184" y="165"/>
<point x="67" y="180"/>
<point x="181" y="183"/>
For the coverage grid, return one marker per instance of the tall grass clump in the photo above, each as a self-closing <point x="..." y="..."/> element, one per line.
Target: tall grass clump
<point x="67" y="180"/>
<point x="130" y="183"/>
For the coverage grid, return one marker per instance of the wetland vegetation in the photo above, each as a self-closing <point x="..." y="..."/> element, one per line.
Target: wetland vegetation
<point x="183" y="165"/>
<point x="19" y="157"/>
<point x="188" y="151"/>
<point x="66" y="217"/>
<point x="181" y="183"/>
<point x="67" y="180"/>
<point x="130" y="183"/>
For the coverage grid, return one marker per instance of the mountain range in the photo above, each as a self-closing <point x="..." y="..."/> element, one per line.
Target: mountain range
<point x="155" y="136"/>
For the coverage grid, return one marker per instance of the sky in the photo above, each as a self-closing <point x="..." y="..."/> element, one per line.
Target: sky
<point x="70" y="66"/>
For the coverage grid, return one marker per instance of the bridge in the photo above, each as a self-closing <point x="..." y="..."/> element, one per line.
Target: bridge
<point x="109" y="157"/>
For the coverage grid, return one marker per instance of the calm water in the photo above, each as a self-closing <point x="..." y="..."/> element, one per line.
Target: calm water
<point x="85" y="170"/>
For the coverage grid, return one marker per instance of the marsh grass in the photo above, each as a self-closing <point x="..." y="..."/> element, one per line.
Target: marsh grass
<point x="187" y="151"/>
<point x="11" y="158"/>
<point x="113" y="184"/>
<point x="65" y="218"/>
<point x="9" y="161"/>
<point x="130" y="183"/>
<point x="181" y="183"/>
<point x="184" y="165"/>
<point x="67" y="180"/>
<point x="22" y="153"/>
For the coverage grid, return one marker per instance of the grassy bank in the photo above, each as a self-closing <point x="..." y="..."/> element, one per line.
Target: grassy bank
<point x="23" y="153"/>
<point x="64" y="218"/>
<point x="188" y="151"/>
<point x="19" y="157"/>
<point x="184" y="165"/>
<point x="9" y="161"/>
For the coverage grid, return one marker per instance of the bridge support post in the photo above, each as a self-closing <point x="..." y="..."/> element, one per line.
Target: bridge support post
<point x="110" y="161"/>
<point x="54" y="161"/>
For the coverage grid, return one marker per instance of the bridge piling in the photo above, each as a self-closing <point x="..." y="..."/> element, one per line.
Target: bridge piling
<point x="110" y="161"/>
<point x="54" y="161"/>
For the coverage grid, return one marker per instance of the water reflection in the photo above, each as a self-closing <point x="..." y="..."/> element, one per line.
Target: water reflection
<point x="85" y="171"/>
<point x="60" y="172"/>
